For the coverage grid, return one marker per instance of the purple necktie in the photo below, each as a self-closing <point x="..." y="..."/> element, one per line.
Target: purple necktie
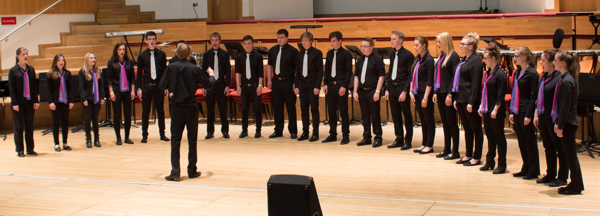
<point x="438" y="81"/>
<point x="484" y="99"/>
<point x="457" y="77"/>
<point x="26" y="92"/>
<point x="415" y="80"/>
<point x="540" y="100"/>
<point x="95" y="88"/>
<point x="554" y="112"/>
<point x="62" y="92"/>
<point x="514" y="103"/>
<point x="123" y="78"/>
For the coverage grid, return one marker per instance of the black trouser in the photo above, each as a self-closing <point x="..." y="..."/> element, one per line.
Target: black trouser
<point x="450" y="124"/>
<point x="426" y="115"/>
<point x="471" y="122"/>
<point x="249" y="96"/>
<point x="125" y="99"/>
<point x="152" y="94"/>
<point x="308" y="98"/>
<point x="283" y="93"/>
<point x="24" y="119"/>
<point x="184" y="115"/>
<point x="60" y="115"/>
<point x="398" y="109"/>
<point x="527" y="145"/>
<point x="90" y="113"/>
<point x="336" y="102"/>
<point x="554" y="150"/>
<point x="494" y="130"/>
<point x="217" y="91"/>
<point x="369" y="110"/>
<point x="570" y="147"/>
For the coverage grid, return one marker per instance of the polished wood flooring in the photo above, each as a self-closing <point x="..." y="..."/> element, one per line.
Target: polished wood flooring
<point x="350" y="180"/>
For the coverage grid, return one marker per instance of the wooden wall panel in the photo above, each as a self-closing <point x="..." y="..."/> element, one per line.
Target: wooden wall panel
<point x="577" y="6"/>
<point x="411" y="28"/>
<point x="10" y="7"/>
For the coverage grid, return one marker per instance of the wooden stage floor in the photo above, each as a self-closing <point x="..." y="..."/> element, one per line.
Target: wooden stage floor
<point x="350" y="180"/>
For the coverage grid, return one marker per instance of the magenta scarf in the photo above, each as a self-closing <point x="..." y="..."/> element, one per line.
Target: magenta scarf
<point x="62" y="92"/>
<point x="438" y="81"/>
<point x="415" y="80"/>
<point x="123" y="78"/>
<point x="514" y="103"/>
<point x="26" y="92"/>
<point x="540" y="99"/>
<point x="484" y="99"/>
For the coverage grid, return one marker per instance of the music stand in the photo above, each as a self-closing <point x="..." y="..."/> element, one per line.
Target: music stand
<point x="306" y="27"/>
<point x="234" y="49"/>
<point x="589" y="94"/>
<point x="595" y="20"/>
<point x="356" y="53"/>
<point x="262" y="50"/>
<point x="383" y="52"/>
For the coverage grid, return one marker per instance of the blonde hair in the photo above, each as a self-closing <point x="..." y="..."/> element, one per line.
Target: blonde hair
<point x="87" y="67"/>
<point x="531" y="59"/>
<point x="448" y="46"/>
<point x="473" y="39"/>
<point x="183" y="51"/>
<point x="399" y="33"/>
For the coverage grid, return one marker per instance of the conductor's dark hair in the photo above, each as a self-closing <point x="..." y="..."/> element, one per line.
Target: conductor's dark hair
<point x="335" y="34"/>
<point x="283" y="32"/>
<point x="151" y="33"/>
<point x="248" y="37"/>
<point x="181" y="42"/>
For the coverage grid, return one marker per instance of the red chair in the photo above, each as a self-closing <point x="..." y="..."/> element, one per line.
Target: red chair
<point x="508" y="95"/>
<point x="234" y="97"/>
<point x="266" y="98"/>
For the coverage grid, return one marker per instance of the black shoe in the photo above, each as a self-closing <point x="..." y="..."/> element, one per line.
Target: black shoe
<point x="499" y="170"/>
<point x="244" y="134"/>
<point x="330" y="138"/>
<point x="469" y="163"/>
<point x="545" y="179"/>
<point x="257" y="134"/>
<point x="417" y="150"/>
<point x="488" y="166"/>
<point x="345" y="140"/>
<point x="294" y="136"/>
<point x="194" y="175"/>
<point x="364" y="141"/>
<point x="441" y="154"/>
<point x="118" y="142"/>
<point x="97" y="143"/>
<point x="144" y="140"/>
<point x="557" y="183"/>
<point x="57" y="148"/>
<point x="452" y="156"/>
<point x="519" y="174"/>
<point x="566" y="191"/>
<point x="397" y="144"/>
<point x="529" y="177"/>
<point x="377" y="143"/>
<point x="426" y="152"/>
<point x="172" y="178"/>
<point x="88" y="143"/>
<point x="461" y="161"/>
<point x="226" y="135"/>
<point x="164" y="138"/>
<point x="128" y="141"/>
<point x="275" y="135"/>
<point x="314" y="137"/>
<point x="32" y="153"/>
<point x="66" y="147"/>
<point x="20" y="154"/>
<point x="209" y="135"/>
<point x="406" y="147"/>
<point x="304" y="136"/>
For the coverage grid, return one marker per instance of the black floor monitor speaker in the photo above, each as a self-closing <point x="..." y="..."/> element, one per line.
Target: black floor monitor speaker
<point x="292" y="195"/>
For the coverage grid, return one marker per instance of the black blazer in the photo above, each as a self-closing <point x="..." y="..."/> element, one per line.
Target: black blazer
<point x="15" y="85"/>
<point x="426" y="74"/>
<point x="528" y="91"/>
<point x="496" y="90"/>
<point x="549" y="89"/>
<point x="469" y="83"/>
<point x="54" y="87"/>
<point x="85" y="86"/>
<point x="566" y="94"/>
<point x="447" y="73"/>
